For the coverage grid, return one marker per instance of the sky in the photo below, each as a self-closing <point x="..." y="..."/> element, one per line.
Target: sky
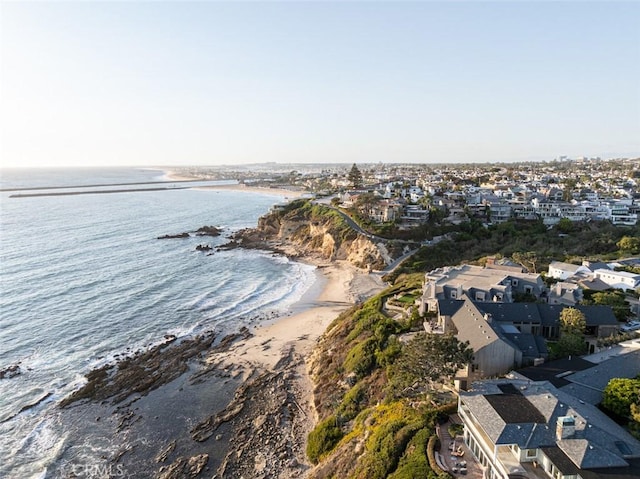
<point x="207" y="83"/>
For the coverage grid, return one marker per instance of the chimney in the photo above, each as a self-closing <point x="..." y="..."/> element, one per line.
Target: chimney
<point x="565" y="427"/>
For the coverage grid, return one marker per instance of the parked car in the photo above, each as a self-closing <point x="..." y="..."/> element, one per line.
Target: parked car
<point x="630" y="326"/>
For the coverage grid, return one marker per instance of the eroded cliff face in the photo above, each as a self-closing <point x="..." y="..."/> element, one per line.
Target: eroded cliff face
<point x="322" y="237"/>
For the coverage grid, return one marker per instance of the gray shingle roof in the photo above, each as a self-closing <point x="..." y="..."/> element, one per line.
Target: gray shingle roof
<point x="593" y="445"/>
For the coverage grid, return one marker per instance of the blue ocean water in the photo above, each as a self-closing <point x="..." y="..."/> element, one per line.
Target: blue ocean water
<point x="83" y="278"/>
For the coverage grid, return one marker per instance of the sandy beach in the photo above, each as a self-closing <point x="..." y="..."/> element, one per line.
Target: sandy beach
<point x="288" y="193"/>
<point x="343" y="285"/>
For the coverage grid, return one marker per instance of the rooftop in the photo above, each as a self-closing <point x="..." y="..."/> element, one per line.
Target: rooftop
<point x="525" y="413"/>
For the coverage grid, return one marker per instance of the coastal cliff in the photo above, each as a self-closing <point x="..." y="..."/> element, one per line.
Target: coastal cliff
<point x="302" y="228"/>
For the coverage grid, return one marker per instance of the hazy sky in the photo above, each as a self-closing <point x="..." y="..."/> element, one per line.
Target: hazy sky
<point x="181" y="83"/>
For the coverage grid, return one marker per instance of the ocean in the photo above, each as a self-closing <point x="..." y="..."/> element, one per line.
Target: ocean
<point x="84" y="280"/>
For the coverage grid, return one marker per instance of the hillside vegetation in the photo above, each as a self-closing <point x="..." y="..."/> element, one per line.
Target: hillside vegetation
<point x="528" y="242"/>
<point x="375" y="414"/>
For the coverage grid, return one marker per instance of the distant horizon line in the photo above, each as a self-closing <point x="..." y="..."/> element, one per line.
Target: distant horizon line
<point x="240" y="165"/>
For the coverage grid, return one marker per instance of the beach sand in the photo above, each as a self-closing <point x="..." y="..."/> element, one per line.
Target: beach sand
<point x="288" y="193"/>
<point x="343" y="285"/>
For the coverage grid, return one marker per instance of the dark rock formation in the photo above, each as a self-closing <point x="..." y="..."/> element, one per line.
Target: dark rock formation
<point x="179" y="235"/>
<point x="208" y="231"/>
<point x="203" y="231"/>
<point x="184" y="467"/>
<point x="203" y="247"/>
<point x="10" y="371"/>
<point x="142" y="372"/>
<point x="264" y="416"/>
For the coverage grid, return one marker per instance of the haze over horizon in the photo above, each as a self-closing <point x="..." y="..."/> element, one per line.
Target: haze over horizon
<point x="222" y="83"/>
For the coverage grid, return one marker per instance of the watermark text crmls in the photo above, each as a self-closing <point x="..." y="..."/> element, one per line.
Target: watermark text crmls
<point x="94" y="471"/>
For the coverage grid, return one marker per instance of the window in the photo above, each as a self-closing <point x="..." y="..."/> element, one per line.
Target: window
<point x="454" y="294"/>
<point x="531" y="453"/>
<point x="480" y="296"/>
<point x="514" y="282"/>
<point x="528" y="289"/>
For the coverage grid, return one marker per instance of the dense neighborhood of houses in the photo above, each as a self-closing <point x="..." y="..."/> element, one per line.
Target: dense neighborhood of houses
<point x="581" y="189"/>
<point x="589" y="191"/>
<point x="541" y="419"/>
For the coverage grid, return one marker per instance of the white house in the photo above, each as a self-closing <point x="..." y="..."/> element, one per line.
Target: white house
<point x="618" y="279"/>
<point x="562" y="271"/>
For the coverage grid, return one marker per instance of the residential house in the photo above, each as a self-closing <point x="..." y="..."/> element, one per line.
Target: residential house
<point x="523" y="429"/>
<point x="384" y="210"/>
<point x="492" y="283"/>
<point x="498" y="210"/>
<point x="506" y="336"/>
<point x="414" y="214"/>
<point x="588" y="376"/>
<point x="621" y="213"/>
<point x="562" y="271"/>
<point x="494" y="354"/>
<point x="565" y="293"/>
<point x="618" y="279"/>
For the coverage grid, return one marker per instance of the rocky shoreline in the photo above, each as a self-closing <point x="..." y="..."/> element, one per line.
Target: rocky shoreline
<point x="257" y="431"/>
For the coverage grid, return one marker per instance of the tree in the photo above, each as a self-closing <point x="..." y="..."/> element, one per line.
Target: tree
<point x="614" y="298"/>
<point x="572" y="321"/>
<point x="565" y="225"/>
<point x="572" y="326"/>
<point x="529" y="260"/>
<point x="365" y="201"/>
<point x="355" y="177"/>
<point x="569" y="345"/>
<point x="428" y="358"/>
<point x="620" y="394"/>
<point x="629" y="244"/>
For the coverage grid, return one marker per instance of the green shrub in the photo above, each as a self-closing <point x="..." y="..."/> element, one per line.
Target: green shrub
<point x="385" y="447"/>
<point x="414" y="463"/>
<point x="388" y="355"/>
<point x="351" y="403"/>
<point x="361" y="358"/>
<point x="325" y="436"/>
<point x="455" y="429"/>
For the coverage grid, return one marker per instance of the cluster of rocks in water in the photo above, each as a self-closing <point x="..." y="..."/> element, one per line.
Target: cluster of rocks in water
<point x="202" y="231"/>
<point x="10" y="371"/>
